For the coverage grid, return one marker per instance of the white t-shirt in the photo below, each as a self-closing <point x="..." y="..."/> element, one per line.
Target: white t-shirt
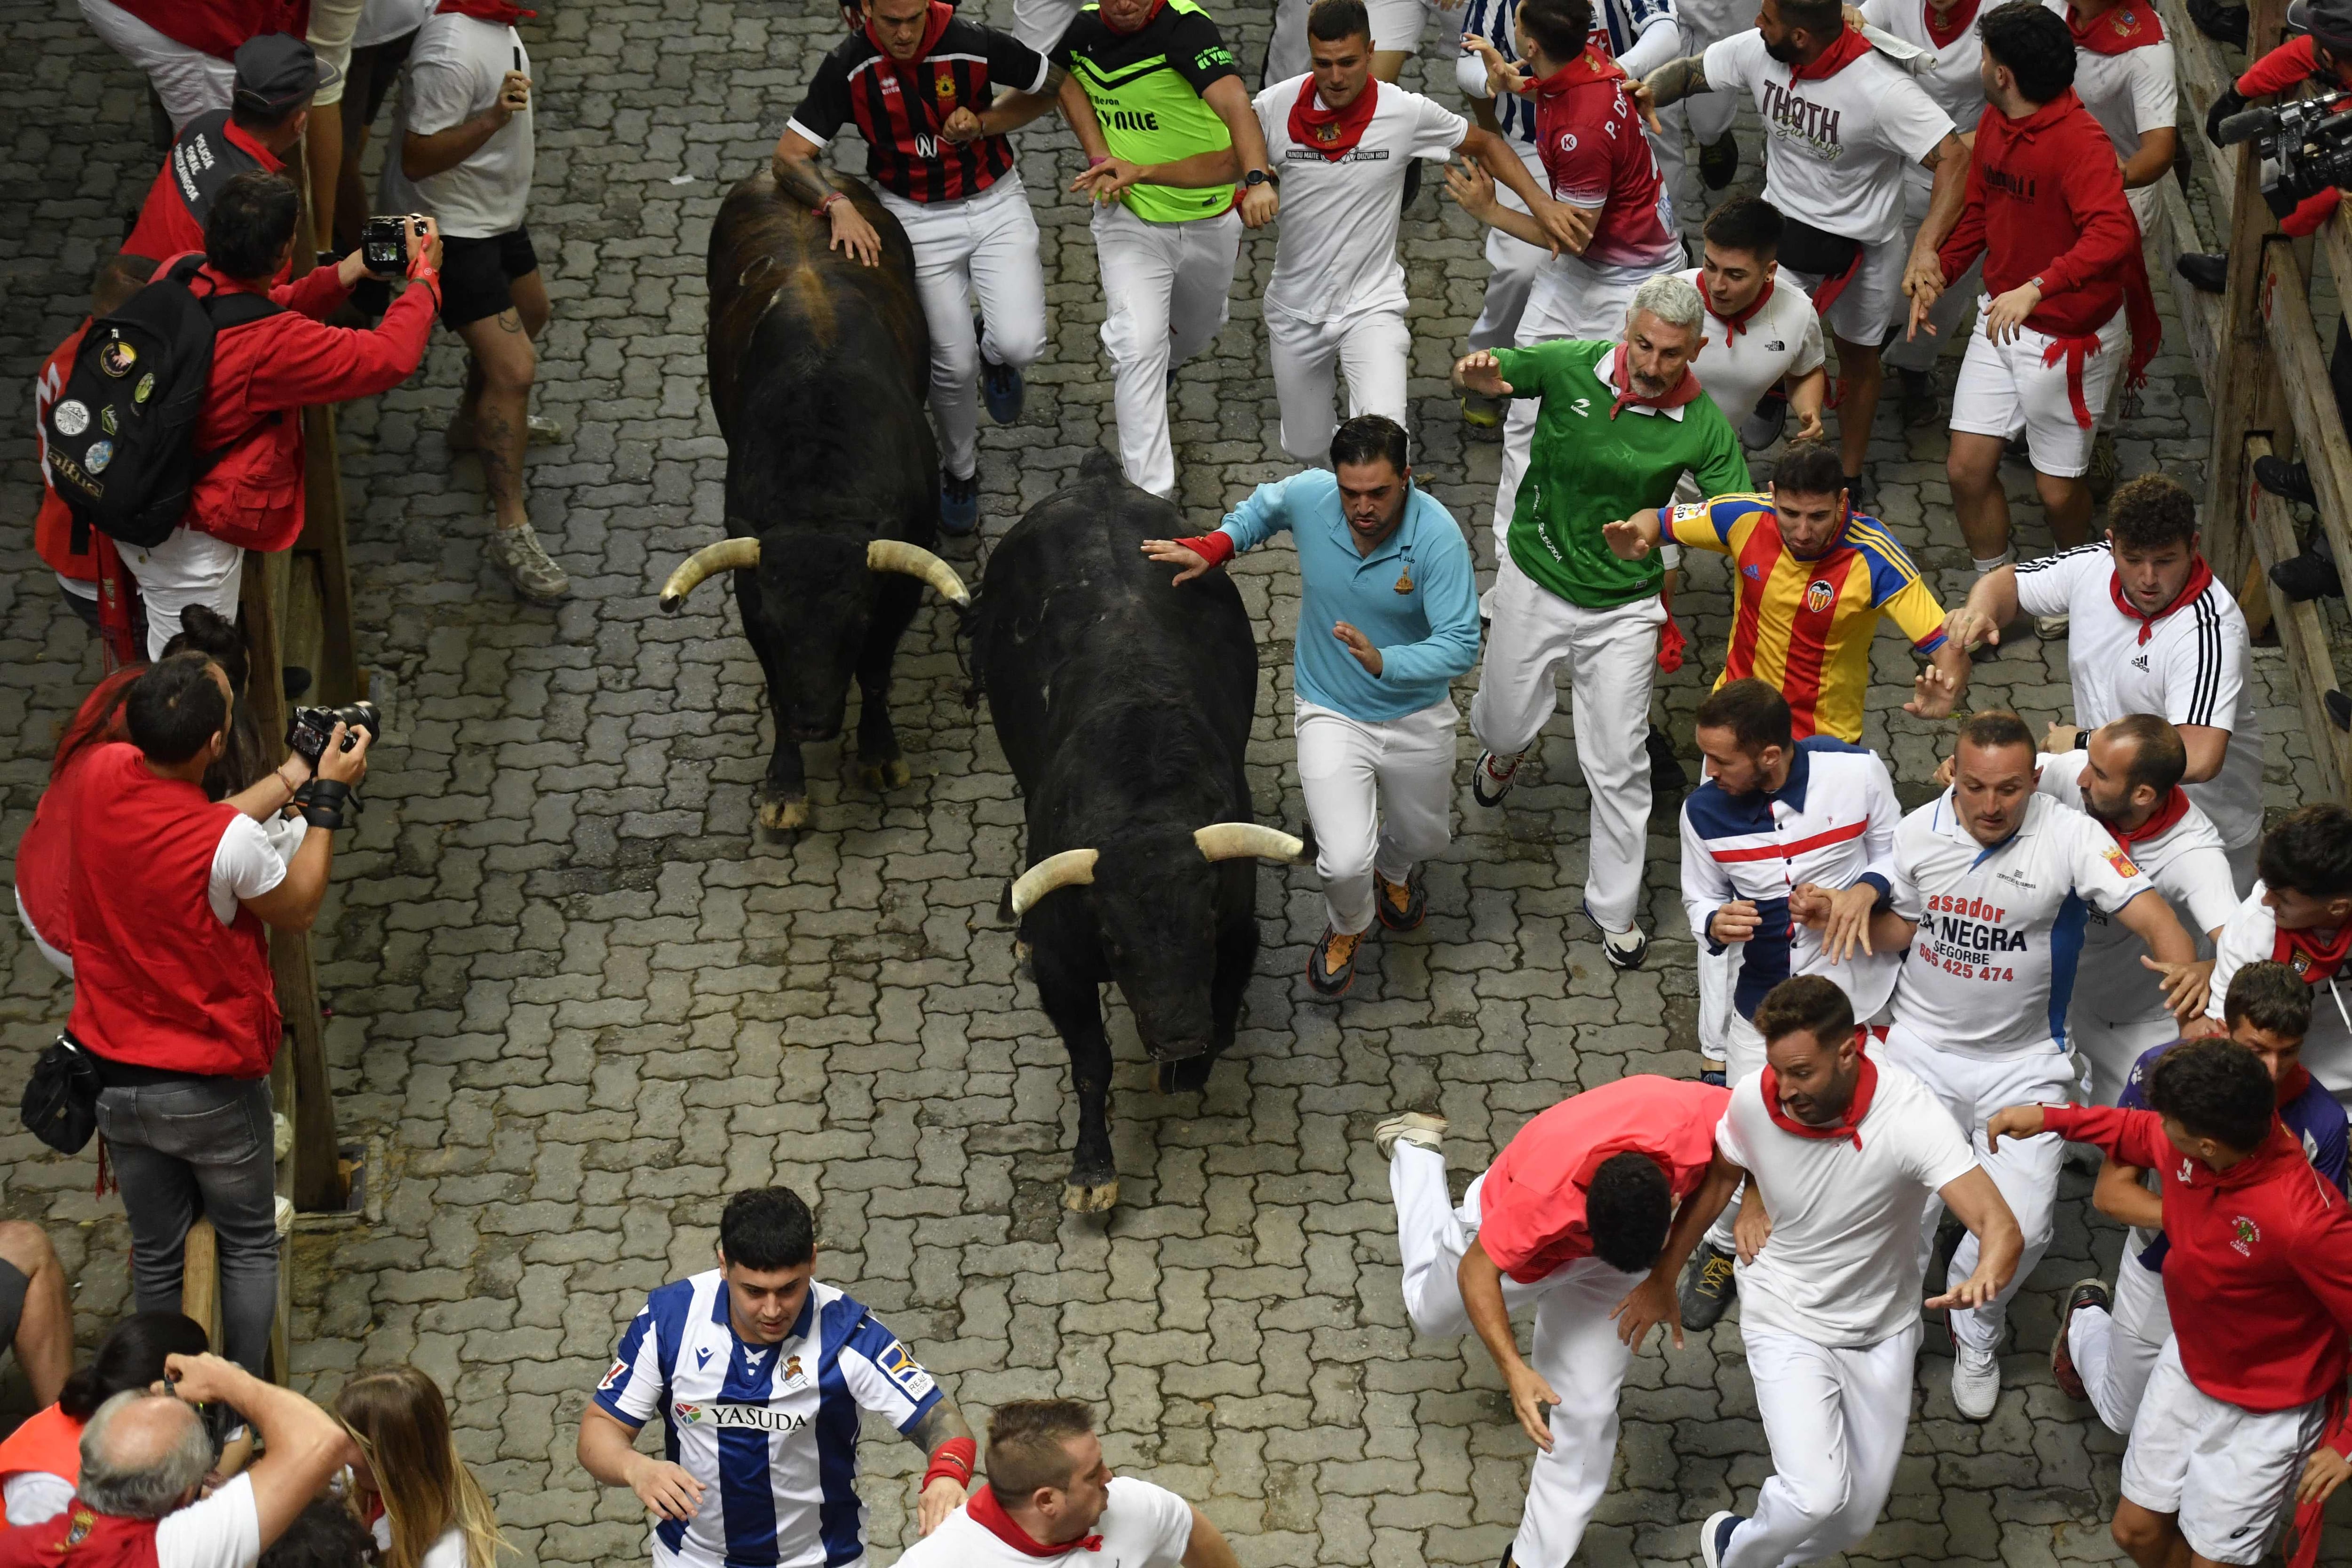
<point x="1335" y="243"/>
<point x="223" y="1531"/>
<point x="2130" y="93"/>
<point x="246" y="865"/>
<point x="1783" y="339"/>
<point x="1843" y="1264"/>
<point x="381" y="21"/>
<point x="449" y="1552"/>
<point x="33" y="1496"/>
<point x="2001" y="930"/>
<point x="456" y="68"/>
<point x="1838" y="146"/>
<point x="2192" y="669"/>
<point x="2188" y="867"/>
<point x="1954" y="80"/>
<point x="1142" y="1526"/>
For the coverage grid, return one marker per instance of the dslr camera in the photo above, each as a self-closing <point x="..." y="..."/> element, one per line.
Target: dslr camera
<point x="2305" y="145"/>
<point x="309" y="729"/>
<point x="383" y="243"/>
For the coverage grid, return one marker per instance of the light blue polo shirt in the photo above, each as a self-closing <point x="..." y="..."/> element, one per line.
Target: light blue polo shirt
<point x="1427" y="633"/>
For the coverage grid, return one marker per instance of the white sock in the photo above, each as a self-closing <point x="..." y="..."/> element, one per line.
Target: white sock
<point x="1987" y="567"/>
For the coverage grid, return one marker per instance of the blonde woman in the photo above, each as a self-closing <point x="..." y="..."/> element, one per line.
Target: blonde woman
<point x="410" y="1488"/>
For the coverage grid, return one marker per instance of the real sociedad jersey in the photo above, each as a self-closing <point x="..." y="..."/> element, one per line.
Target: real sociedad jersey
<point x="1993" y="965"/>
<point x="770" y="1431"/>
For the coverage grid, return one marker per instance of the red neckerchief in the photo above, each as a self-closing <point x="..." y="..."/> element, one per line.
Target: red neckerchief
<point x="1333" y="133"/>
<point x="498" y="13"/>
<point x="1593" y="62"/>
<point x="2200" y="577"/>
<point x="2175" y="807"/>
<point x="2134" y="25"/>
<point x="1849" y="46"/>
<point x="990" y="1515"/>
<point x="1683" y="391"/>
<point x="1847" y="1126"/>
<point x="1942" y="35"/>
<point x="2291" y="1087"/>
<point x="1150" y="16"/>
<point x="2312" y="960"/>
<point x="1734" y="325"/>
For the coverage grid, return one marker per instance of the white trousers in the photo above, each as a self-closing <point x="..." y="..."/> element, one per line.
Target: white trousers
<point x="2114" y="1353"/>
<point x="1743" y="1059"/>
<point x="1836" y="1420"/>
<point x="186" y="568"/>
<point x="984" y="245"/>
<point x="1566" y="300"/>
<point x="2025" y="1168"/>
<point x="1575" y="1348"/>
<point x="1372" y="350"/>
<point x="2229" y="1472"/>
<point x="189" y="82"/>
<point x="1513" y="263"/>
<point x="2104" y="1051"/>
<point x="1612" y="656"/>
<point x="1377" y="792"/>
<point x="1040" y="24"/>
<point x="1164" y="287"/>
<point x="1718" y="974"/>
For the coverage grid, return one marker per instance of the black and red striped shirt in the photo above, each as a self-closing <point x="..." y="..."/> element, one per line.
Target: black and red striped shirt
<point x="898" y="107"/>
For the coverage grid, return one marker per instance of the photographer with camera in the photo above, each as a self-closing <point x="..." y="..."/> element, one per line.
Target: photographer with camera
<point x="172" y="994"/>
<point x="265" y="368"/>
<point x="464" y="155"/>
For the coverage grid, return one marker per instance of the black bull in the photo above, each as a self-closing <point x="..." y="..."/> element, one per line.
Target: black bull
<point x="818" y="367"/>
<point x="1123" y="705"/>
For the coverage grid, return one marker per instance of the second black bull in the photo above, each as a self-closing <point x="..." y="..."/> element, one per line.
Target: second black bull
<point x="1124" y="704"/>
<point x="818" y="368"/>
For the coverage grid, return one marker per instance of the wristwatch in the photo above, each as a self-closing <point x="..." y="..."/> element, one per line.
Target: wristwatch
<point x="1256" y="177"/>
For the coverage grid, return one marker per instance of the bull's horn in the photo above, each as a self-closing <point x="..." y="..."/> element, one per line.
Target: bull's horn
<point x="897" y="555"/>
<point x="1066" y="869"/>
<point x="1241" y="840"/>
<point x="727" y="555"/>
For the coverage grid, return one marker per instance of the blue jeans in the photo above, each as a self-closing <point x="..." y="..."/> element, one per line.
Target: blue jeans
<point x="191" y="1146"/>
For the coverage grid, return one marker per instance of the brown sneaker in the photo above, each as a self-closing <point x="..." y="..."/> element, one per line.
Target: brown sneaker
<point x="518" y="553"/>
<point x="541" y="430"/>
<point x="1400" y="905"/>
<point x="1331" y="967"/>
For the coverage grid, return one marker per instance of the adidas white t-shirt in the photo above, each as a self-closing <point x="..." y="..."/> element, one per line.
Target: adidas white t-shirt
<point x="1143" y="1526"/>
<point x="1335" y="243"/>
<point x="1783" y="339"/>
<point x="1838" y="146"/>
<point x="2188" y="867"/>
<point x="1992" y="968"/>
<point x="1843" y="1266"/>
<point x="2192" y="669"/>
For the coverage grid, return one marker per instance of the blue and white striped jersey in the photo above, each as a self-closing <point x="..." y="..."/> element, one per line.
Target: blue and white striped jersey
<point x="770" y="1431"/>
<point x="1615" y="23"/>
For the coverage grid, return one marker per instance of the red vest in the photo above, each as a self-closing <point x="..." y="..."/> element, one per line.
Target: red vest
<point x="158" y="981"/>
<point x="81" y="1539"/>
<point x="49" y="1442"/>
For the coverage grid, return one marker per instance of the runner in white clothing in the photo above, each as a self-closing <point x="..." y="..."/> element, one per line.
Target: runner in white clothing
<point x="1341" y="143"/>
<point x="2126" y="75"/>
<point x="1844" y="1155"/>
<point x="2300" y="914"/>
<point x="1512" y="262"/>
<point x="2151" y="630"/>
<point x="1051" y="1495"/>
<point x="1991" y="882"/>
<point x="1949" y="33"/>
<point x="1843" y="121"/>
<point x="1762" y="334"/>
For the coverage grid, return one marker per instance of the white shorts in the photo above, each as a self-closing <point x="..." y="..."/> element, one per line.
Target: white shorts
<point x="2227" y="1472"/>
<point x="332" y="23"/>
<point x="188" y="81"/>
<point x="1397" y="25"/>
<point x="1873" y="299"/>
<point x="2005" y="386"/>
<point x="185" y="568"/>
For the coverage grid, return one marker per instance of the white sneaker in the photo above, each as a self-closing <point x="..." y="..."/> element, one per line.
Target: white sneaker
<point x="1418" y="1128"/>
<point x="1976" y="1382"/>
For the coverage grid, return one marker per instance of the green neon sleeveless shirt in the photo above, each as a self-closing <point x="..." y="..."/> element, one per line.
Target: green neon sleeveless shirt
<point x="1146" y="88"/>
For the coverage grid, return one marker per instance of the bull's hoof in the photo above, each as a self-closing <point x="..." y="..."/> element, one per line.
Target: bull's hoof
<point x="1079" y="1198"/>
<point x="783" y="813"/>
<point x="891" y="774"/>
<point x="1189" y="1076"/>
<point x="1023" y="954"/>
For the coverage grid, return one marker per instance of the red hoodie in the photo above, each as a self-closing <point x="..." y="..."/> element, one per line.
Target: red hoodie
<point x="2259" y="1277"/>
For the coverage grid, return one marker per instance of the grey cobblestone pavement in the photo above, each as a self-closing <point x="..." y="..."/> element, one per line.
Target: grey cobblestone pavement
<point x="578" y="1000"/>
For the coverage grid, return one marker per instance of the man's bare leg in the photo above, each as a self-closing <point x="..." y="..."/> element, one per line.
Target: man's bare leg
<point x="1858" y="406"/>
<point x="45" y="1335"/>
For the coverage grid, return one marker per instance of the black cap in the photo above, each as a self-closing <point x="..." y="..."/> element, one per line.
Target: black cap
<point x="275" y="71"/>
<point x="2329" y="21"/>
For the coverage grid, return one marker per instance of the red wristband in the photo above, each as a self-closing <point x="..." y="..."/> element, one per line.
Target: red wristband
<point x="826" y="205"/>
<point x="1216" y="548"/>
<point x="952" y="1460"/>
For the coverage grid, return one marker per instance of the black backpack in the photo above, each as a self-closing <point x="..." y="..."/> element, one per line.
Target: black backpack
<point x="122" y="432"/>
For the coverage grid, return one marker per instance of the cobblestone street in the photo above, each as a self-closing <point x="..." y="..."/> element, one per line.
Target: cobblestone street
<point x="577" y="998"/>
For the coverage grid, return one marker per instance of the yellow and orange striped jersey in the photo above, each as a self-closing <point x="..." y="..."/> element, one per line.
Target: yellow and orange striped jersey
<point x="1805" y="626"/>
